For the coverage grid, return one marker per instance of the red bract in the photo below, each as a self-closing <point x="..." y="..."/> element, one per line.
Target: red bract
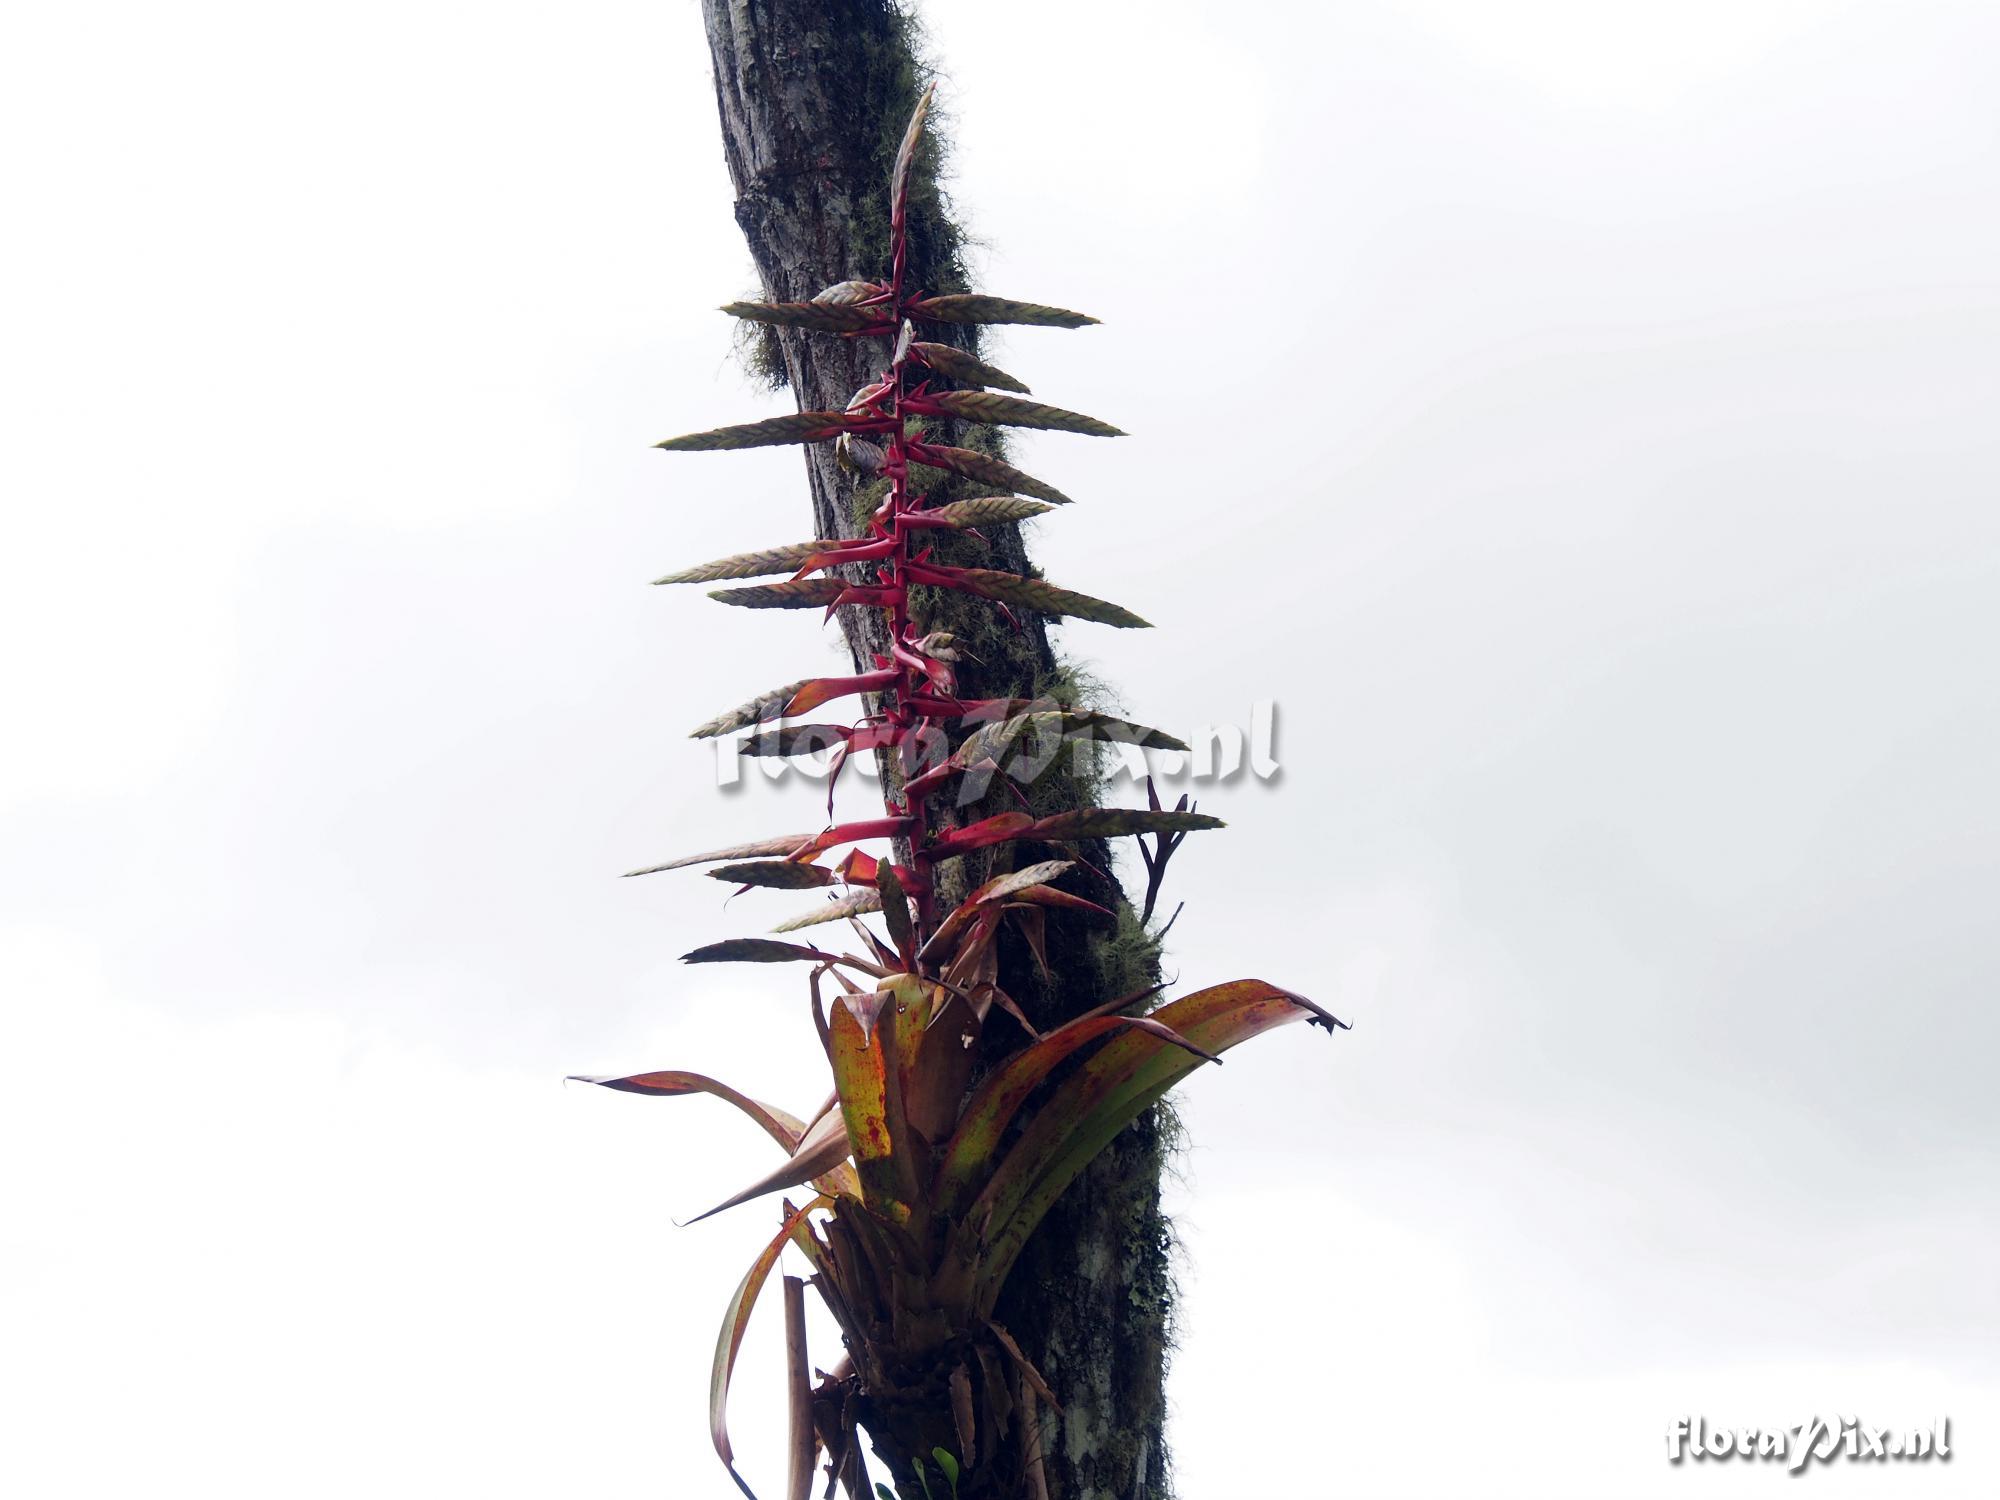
<point x="929" y="1179"/>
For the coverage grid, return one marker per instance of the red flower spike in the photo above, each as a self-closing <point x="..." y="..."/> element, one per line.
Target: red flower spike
<point x="826" y="689"/>
<point x="835" y="557"/>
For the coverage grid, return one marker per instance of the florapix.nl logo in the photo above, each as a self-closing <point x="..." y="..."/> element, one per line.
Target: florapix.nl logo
<point x="1018" y="741"/>
<point x="1818" y="1439"/>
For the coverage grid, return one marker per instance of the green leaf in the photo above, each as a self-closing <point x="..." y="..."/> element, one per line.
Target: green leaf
<point x="796" y="427"/>
<point x="798" y="593"/>
<point x="783" y="1128"/>
<point x="820" y="317"/>
<point x="975" y="307"/>
<point x="1012" y="411"/>
<point x="1045" y="598"/>
<point x="896" y="911"/>
<point x="1113" y="1087"/>
<point x="988" y="510"/>
<point x="948" y="1466"/>
<point x="986" y="469"/>
<point x="867" y="1067"/>
<point x="775" y="874"/>
<point x="967" y="1161"/>
<point x="750" y="564"/>
<point x="784" y="843"/>
<point x="965" y="368"/>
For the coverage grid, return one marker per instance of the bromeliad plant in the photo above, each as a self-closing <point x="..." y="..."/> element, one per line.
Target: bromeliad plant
<point x="928" y="1179"/>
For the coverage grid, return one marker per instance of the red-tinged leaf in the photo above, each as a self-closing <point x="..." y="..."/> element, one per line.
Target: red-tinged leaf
<point x="748" y="564"/>
<point x="857" y="867"/>
<point x="821" y="1152"/>
<point x="854" y="833"/>
<point x="754" y="951"/>
<point x="1017" y="886"/>
<point x="1113" y="822"/>
<point x="965" y="368"/>
<point x="1012" y="411"/>
<point x="840" y="554"/>
<point x="1035" y="594"/>
<point x="802" y="593"/>
<point x="734" y="1322"/>
<point x="1000" y="887"/>
<point x="985" y="469"/>
<point x="775" y="874"/>
<point x="793" y="427"/>
<point x="975" y="307"/>
<point x="975" y="967"/>
<point x="783" y="844"/>
<point x="997" y="829"/>
<point x="1048" y="895"/>
<point x="856" y="904"/>
<point x="783" y="1128"/>
<point x="820" y="317"/>
<point x="1112" y="1088"/>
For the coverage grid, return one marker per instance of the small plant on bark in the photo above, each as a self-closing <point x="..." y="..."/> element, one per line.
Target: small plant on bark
<point x="927" y="1175"/>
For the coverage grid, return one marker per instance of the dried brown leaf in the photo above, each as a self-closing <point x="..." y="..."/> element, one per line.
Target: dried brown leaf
<point x="749" y="564"/>
<point x="989" y="510"/>
<point x="1012" y="411"/>
<point x="1043" y="597"/>
<point x="795" y="593"/>
<point x="976" y="307"/>
<point x="794" y="427"/>
<point x="987" y="470"/>
<point x="965" y="368"/>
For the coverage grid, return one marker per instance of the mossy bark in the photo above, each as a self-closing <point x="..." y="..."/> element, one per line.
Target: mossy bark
<point x="813" y="95"/>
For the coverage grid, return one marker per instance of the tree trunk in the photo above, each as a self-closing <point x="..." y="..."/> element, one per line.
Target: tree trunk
<point x="813" y="96"/>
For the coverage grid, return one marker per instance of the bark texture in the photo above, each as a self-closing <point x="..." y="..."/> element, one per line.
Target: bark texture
<point x="813" y="95"/>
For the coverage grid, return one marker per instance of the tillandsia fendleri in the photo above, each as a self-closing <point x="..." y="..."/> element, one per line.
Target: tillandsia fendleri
<point x="927" y="1176"/>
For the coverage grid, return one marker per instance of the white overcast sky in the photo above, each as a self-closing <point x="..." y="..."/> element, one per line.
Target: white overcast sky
<point x="1578" y="416"/>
